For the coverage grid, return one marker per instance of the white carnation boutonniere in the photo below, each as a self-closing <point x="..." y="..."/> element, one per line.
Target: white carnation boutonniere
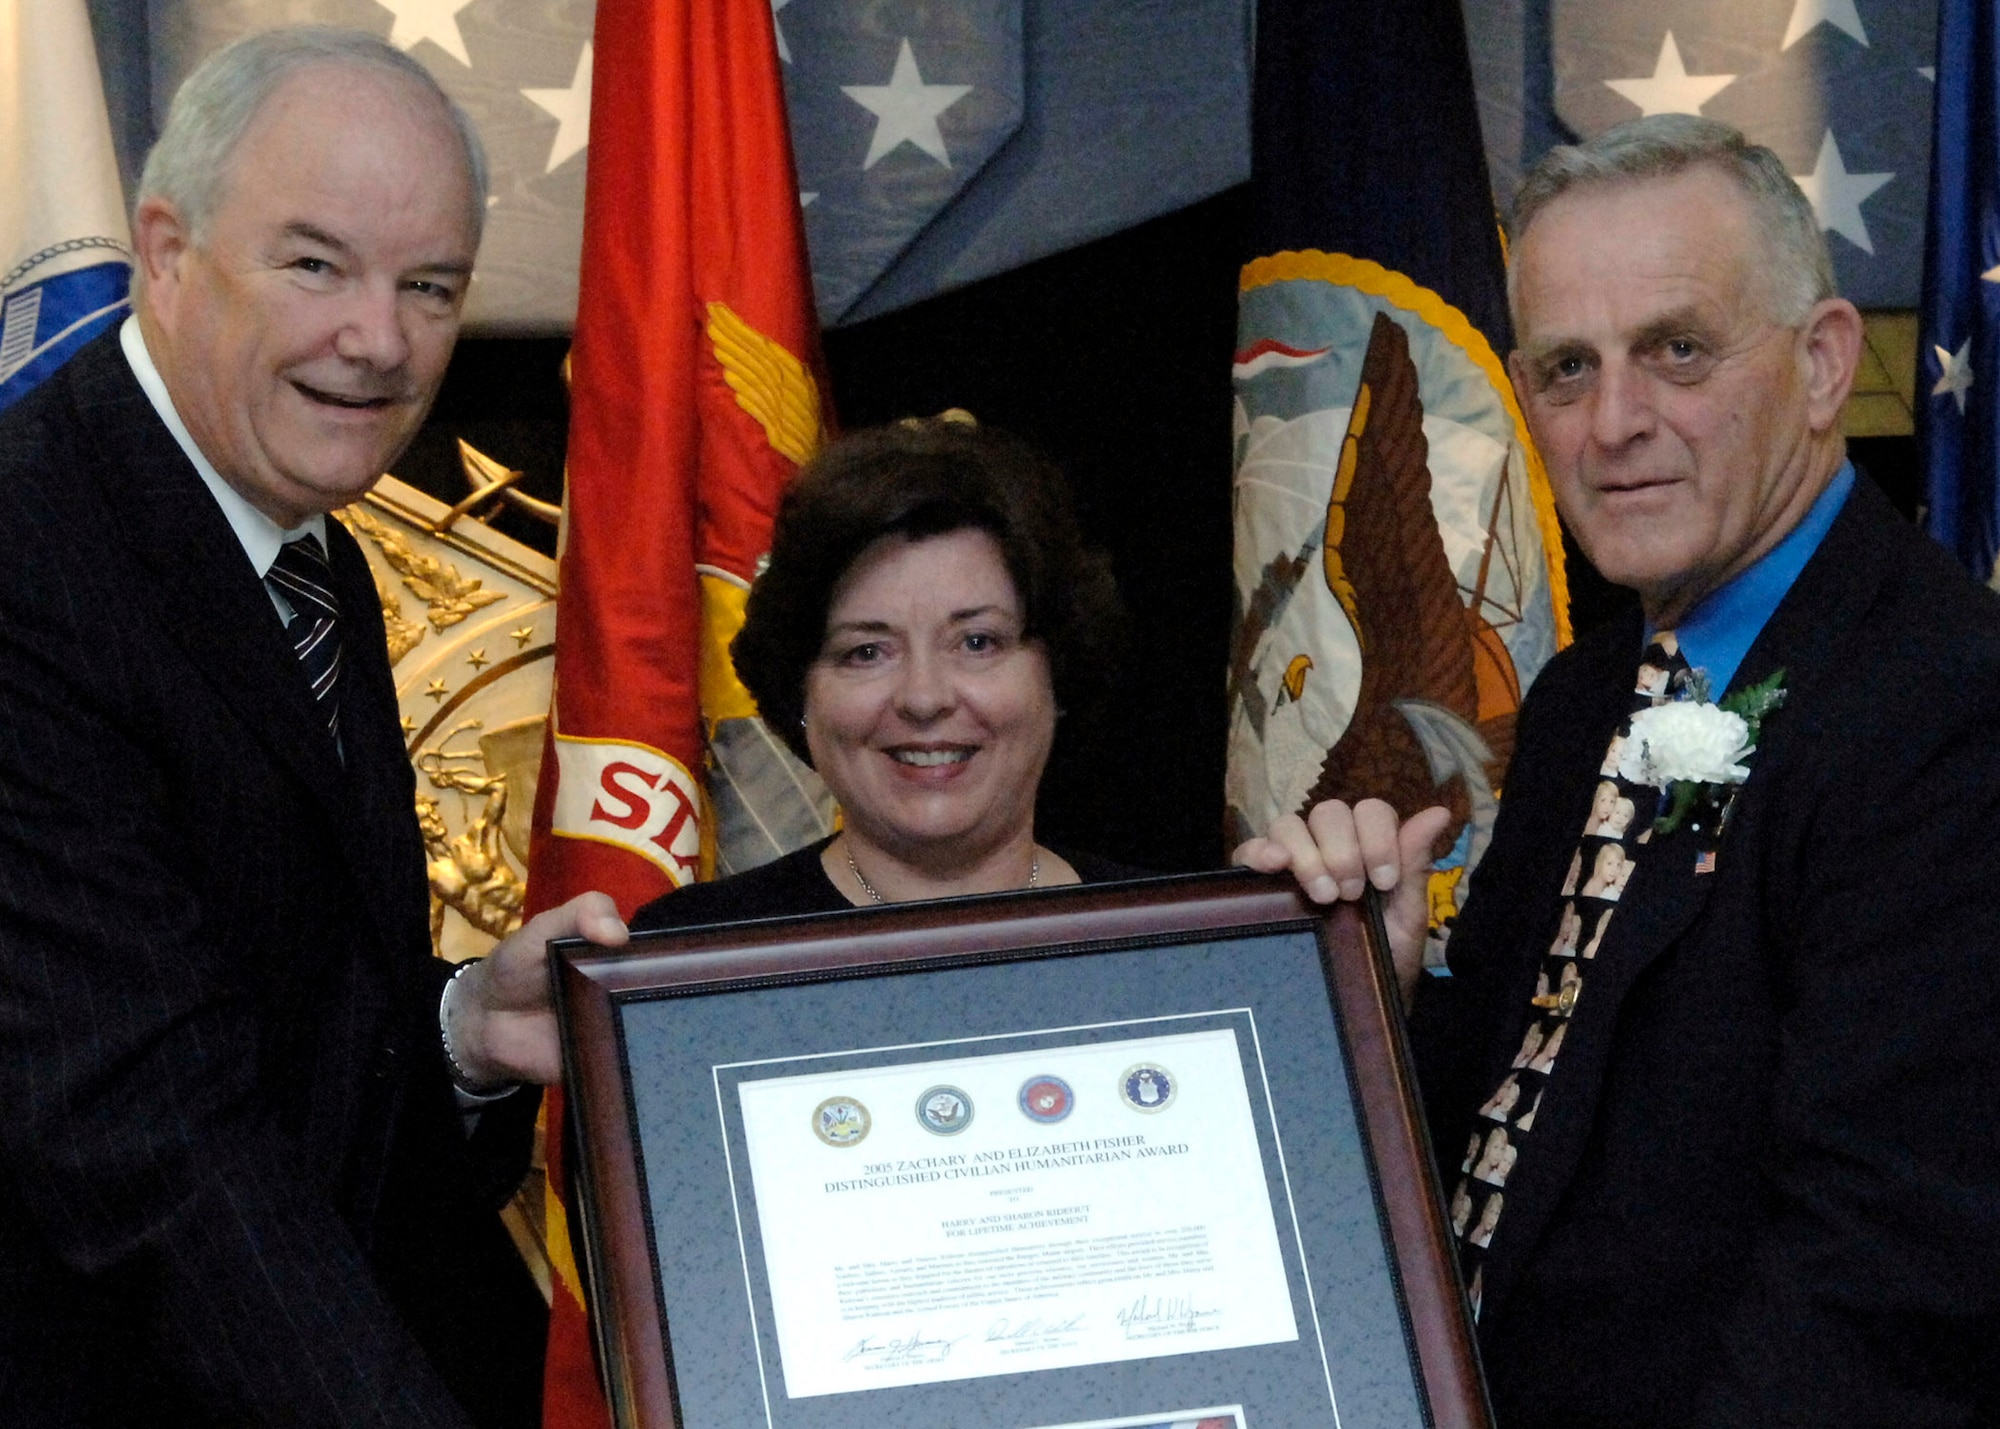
<point x="1692" y="748"/>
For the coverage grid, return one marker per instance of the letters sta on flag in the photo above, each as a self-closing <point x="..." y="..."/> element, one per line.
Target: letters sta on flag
<point x="633" y="797"/>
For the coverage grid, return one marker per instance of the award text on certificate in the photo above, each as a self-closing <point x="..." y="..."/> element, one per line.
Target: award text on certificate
<point x="1023" y="1211"/>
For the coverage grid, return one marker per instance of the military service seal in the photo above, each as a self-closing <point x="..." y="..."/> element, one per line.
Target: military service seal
<point x="1047" y="1099"/>
<point x="945" y="1111"/>
<point x="1148" y="1087"/>
<point x="841" y="1121"/>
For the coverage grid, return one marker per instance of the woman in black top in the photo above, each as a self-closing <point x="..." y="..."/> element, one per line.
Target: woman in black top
<point x="927" y="614"/>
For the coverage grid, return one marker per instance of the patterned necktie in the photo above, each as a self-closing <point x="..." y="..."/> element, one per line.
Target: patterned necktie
<point x="302" y="575"/>
<point x="1619" y="826"/>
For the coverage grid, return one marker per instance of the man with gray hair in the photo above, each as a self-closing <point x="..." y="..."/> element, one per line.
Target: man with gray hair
<point x="1730" y="1154"/>
<point x="236" y="1181"/>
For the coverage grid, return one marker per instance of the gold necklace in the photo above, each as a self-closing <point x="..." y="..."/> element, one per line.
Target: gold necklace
<point x="1034" y="873"/>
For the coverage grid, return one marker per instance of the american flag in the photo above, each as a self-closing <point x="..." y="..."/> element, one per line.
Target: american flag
<point x="1837" y="88"/>
<point x="1958" y="419"/>
<point x="1082" y="117"/>
<point x="936" y="144"/>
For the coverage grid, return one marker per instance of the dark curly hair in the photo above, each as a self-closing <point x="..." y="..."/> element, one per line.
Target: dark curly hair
<point x="920" y="479"/>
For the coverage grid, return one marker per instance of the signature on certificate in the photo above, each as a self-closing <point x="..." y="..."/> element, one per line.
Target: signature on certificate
<point x="908" y="1349"/>
<point x="1150" y="1315"/>
<point x="1033" y="1330"/>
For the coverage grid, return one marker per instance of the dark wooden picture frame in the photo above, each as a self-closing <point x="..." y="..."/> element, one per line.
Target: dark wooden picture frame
<point x="678" y="1005"/>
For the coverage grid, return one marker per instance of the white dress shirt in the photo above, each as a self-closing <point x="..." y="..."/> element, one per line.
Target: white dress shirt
<point x="259" y="534"/>
<point x="261" y="537"/>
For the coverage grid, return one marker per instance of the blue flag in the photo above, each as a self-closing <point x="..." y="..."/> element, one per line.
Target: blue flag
<point x="64" y="261"/>
<point x="1835" y="88"/>
<point x="1397" y="561"/>
<point x="936" y="144"/>
<point x="1958" y="402"/>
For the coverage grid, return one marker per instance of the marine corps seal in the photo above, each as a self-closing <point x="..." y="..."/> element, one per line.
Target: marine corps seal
<point x="1046" y="1099"/>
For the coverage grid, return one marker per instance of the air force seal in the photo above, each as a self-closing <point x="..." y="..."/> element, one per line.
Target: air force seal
<point x="841" y="1121"/>
<point x="945" y="1111"/>
<point x="1046" y="1099"/>
<point x="1148" y="1087"/>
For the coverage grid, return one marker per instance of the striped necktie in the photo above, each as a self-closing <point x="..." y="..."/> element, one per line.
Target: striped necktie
<point x="302" y="575"/>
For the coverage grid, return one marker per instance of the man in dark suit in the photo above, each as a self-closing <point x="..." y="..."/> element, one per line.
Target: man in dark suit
<point x="236" y="1186"/>
<point x="1733" y="1150"/>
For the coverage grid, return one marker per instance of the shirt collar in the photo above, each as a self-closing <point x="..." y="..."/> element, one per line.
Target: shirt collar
<point x="258" y="534"/>
<point x="1719" y="632"/>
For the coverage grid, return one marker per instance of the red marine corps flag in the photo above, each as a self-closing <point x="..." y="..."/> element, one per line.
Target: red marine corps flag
<point x="695" y="401"/>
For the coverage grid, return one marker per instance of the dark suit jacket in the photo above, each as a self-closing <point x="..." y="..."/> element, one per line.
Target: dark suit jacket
<point x="233" y="1186"/>
<point x="1764" y="1185"/>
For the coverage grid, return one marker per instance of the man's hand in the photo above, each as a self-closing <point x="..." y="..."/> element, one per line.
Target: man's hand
<point x="498" y="1020"/>
<point x="1336" y="852"/>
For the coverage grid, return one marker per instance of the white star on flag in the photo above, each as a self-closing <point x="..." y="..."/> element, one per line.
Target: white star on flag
<point x="1671" y="89"/>
<point x="433" y="20"/>
<point x="906" y="109"/>
<point x="571" y="108"/>
<point x="1807" y="14"/>
<point x="1836" y="194"/>
<point x="784" y="50"/>
<point x="1957" y="373"/>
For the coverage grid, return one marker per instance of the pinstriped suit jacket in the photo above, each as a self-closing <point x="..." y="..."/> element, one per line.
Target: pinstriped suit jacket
<point x="233" y="1188"/>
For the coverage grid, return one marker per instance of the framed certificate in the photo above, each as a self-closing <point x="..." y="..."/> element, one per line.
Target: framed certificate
<point x="1139" y="1154"/>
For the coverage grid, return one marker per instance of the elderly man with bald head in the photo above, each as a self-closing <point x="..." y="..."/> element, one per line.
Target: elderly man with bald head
<point x="1755" y="1154"/>
<point x="236" y="1183"/>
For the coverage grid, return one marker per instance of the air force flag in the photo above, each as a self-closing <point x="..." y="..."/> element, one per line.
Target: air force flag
<point x="64" y="245"/>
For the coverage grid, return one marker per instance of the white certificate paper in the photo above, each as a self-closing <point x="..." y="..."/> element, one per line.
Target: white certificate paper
<point x="999" y="1214"/>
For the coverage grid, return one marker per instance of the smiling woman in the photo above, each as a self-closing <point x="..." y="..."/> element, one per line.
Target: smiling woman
<point x="928" y="613"/>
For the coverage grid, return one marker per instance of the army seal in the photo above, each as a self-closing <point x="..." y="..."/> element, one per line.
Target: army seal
<point x="841" y="1121"/>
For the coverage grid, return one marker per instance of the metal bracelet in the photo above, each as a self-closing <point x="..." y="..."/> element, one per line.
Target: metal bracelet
<point x="460" y="1078"/>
